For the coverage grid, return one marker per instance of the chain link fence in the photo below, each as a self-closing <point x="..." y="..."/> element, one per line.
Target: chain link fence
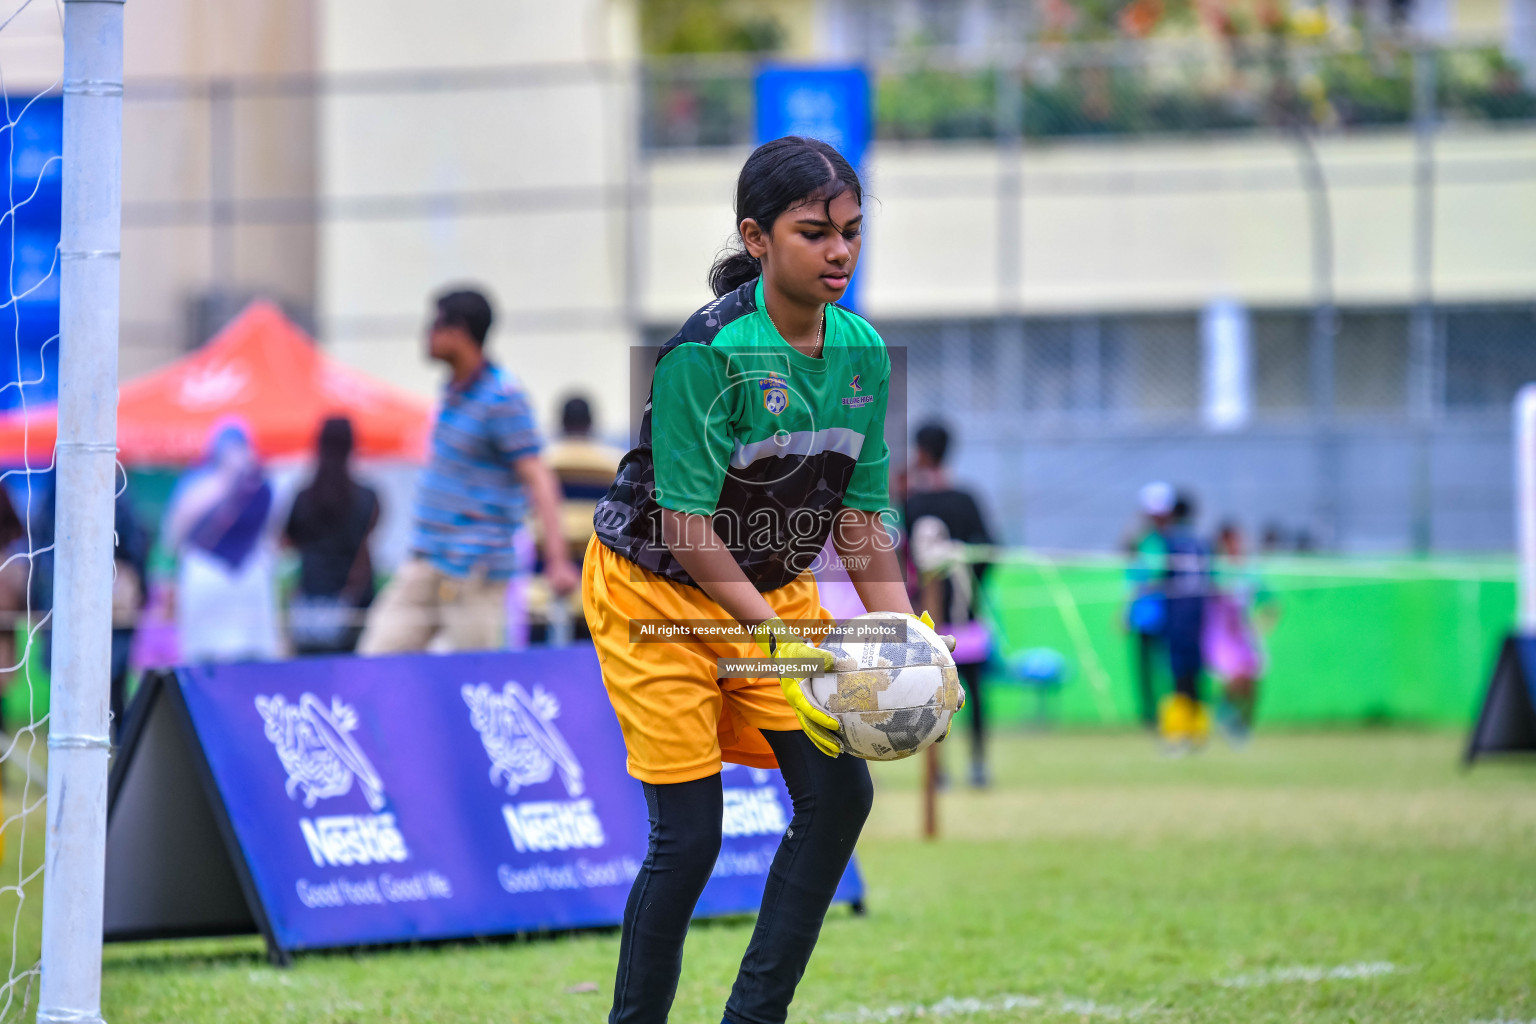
<point x="1058" y="421"/>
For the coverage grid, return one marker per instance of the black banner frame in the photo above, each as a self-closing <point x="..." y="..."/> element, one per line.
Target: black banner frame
<point x="160" y="695"/>
<point x="1507" y="722"/>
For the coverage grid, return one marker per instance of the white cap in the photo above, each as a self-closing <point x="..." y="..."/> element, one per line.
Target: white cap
<point x="1156" y="498"/>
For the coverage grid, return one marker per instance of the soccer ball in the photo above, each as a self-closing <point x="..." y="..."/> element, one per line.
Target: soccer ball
<point x="900" y="696"/>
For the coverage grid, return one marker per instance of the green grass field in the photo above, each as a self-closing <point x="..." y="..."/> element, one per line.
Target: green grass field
<point x="1344" y="876"/>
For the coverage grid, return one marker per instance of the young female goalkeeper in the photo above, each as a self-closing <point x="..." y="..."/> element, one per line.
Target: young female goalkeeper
<point x="764" y="433"/>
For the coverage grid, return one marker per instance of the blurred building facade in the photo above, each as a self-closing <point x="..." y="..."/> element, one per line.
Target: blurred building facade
<point x="1107" y="261"/>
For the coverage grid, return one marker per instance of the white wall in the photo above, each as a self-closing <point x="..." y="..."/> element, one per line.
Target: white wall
<point x="518" y="184"/>
<point x="1111" y="225"/>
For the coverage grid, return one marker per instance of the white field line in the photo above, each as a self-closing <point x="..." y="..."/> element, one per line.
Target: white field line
<point x="1281" y="975"/>
<point x="971" y="1006"/>
<point x="952" y="1007"/>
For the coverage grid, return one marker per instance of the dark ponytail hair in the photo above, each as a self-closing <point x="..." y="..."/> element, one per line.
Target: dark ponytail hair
<point x="778" y="176"/>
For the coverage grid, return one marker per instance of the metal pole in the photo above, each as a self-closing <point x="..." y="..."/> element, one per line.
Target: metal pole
<point x="86" y="460"/>
<point x="1325" y="326"/>
<point x="1008" y="114"/>
<point x="221" y="202"/>
<point x="1421" y="331"/>
<point x="1525" y="505"/>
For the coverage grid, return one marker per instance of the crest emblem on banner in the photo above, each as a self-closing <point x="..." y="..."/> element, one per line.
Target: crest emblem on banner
<point x="518" y="732"/>
<point x="315" y="745"/>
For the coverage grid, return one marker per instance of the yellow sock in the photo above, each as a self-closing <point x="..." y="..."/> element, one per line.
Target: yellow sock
<point x="1173" y="716"/>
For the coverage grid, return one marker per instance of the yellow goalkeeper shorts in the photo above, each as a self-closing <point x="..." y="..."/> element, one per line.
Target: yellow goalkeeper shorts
<point x="680" y="721"/>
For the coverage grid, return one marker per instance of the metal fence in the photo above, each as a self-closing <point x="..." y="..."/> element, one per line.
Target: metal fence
<point x="1057" y="421"/>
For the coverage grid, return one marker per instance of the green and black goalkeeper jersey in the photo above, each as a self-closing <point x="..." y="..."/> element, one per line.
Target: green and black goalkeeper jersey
<point x="770" y="443"/>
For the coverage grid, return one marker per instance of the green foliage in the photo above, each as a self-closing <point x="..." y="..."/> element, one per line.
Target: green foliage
<point x="930" y="103"/>
<point x="707" y="26"/>
<point x="1370" y="88"/>
<point x="1484" y="83"/>
<point x="1096" y="20"/>
<point x="1337" y="90"/>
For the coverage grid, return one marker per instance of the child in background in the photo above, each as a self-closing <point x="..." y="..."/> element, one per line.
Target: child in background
<point x="1147" y="614"/>
<point x="941" y="520"/>
<point x="1184" y="720"/>
<point x="1231" y="644"/>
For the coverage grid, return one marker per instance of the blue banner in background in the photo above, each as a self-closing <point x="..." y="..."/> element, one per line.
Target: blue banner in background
<point x="30" y="325"/>
<point x="435" y="797"/>
<point x="830" y="104"/>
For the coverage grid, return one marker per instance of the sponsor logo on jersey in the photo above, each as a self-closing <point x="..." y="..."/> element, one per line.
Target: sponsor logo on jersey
<point x="854" y="384"/>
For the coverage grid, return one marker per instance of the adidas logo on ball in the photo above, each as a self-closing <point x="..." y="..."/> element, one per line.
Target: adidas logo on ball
<point x="892" y="697"/>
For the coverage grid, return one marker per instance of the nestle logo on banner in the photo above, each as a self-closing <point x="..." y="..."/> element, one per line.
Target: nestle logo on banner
<point x="526" y="749"/>
<point x="755" y="810"/>
<point x="323" y="761"/>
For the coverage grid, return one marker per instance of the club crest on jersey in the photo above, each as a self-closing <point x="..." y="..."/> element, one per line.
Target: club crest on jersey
<point x="775" y="393"/>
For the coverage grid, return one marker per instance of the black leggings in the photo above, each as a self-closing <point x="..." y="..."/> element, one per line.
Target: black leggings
<point x="970" y="677"/>
<point x="831" y="800"/>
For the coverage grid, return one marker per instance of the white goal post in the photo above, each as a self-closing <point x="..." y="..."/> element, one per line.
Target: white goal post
<point x="86" y="460"/>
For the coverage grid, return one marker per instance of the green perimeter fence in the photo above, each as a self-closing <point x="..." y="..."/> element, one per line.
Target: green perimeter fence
<point x="1356" y="642"/>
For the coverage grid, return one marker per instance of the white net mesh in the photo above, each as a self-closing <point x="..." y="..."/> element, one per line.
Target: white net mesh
<point x="31" y="50"/>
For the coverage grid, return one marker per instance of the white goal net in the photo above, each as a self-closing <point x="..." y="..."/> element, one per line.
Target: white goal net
<point x="58" y="235"/>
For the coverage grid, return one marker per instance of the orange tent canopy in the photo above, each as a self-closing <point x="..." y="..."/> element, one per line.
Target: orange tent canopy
<point x="261" y="369"/>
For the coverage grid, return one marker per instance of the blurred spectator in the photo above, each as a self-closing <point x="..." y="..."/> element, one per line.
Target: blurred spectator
<point x="940" y="519"/>
<point x="225" y="601"/>
<point x="1147" y="614"/>
<point x="130" y="592"/>
<point x="14" y="569"/>
<point x="1183" y="718"/>
<point x="585" y="468"/>
<point x="330" y="524"/>
<point x="483" y="470"/>
<point x="1232" y="646"/>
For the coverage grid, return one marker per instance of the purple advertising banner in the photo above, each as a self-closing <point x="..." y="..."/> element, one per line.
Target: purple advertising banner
<point x="434" y="797"/>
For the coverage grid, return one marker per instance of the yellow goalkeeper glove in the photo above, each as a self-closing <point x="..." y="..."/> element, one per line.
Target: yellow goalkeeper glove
<point x="927" y="620"/>
<point x="775" y="639"/>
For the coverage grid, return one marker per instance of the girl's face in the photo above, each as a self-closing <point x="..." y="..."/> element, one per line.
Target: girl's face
<point x="808" y="257"/>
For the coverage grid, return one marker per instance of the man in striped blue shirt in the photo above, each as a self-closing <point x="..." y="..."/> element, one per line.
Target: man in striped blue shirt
<point x="482" y="472"/>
